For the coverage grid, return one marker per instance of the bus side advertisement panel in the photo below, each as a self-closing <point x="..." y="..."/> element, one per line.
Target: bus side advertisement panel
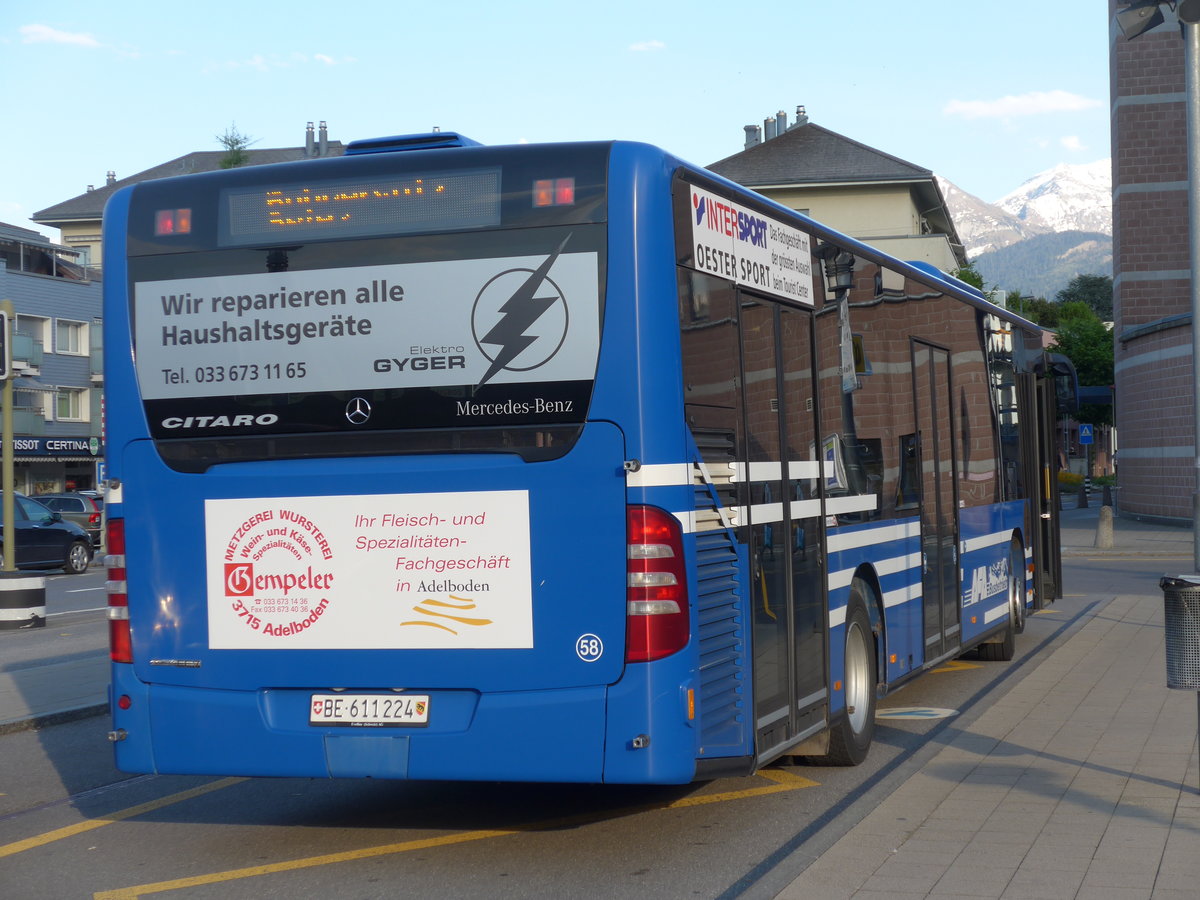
<point x="388" y="571"/>
<point x="742" y="245"/>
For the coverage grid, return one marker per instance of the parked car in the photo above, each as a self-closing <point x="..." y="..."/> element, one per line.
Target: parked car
<point x="45" y="540"/>
<point x="84" y="508"/>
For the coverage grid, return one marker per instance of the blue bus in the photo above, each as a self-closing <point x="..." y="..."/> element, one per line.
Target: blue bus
<point x="559" y="463"/>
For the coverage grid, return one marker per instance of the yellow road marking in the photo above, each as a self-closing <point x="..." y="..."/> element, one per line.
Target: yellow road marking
<point x="92" y="824"/>
<point x="783" y="781"/>
<point x="131" y="893"/>
<point x="956" y="665"/>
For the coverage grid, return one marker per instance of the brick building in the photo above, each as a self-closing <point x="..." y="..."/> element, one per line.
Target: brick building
<point x="1151" y="272"/>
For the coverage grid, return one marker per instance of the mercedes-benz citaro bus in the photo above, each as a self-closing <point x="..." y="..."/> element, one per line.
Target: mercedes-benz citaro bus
<point x="566" y="462"/>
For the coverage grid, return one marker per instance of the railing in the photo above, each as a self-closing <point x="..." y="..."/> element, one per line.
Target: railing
<point x="28" y="421"/>
<point x="26" y="353"/>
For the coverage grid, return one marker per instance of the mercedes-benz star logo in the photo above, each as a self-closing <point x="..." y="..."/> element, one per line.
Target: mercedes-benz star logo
<point x="358" y="411"/>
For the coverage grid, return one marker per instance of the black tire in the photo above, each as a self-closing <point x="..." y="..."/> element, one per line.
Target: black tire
<point x="1016" y="564"/>
<point x="79" y="557"/>
<point x="851" y="735"/>
<point x="1006" y="649"/>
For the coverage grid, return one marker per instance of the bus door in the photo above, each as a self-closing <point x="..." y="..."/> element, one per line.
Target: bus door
<point x="1037" y="396"/>
<point x="787" y="584"/>
<point x="939" y="558"/>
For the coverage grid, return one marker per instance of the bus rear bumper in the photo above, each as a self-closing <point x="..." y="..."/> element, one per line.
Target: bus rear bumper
<point x="555" y="735"/>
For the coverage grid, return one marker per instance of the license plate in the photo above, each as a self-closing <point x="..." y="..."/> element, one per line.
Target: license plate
<point x="372" y="710"/>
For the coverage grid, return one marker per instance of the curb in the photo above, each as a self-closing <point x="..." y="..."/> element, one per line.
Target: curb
<point x="1127" y="554"/>
<point x="59" y="717"/>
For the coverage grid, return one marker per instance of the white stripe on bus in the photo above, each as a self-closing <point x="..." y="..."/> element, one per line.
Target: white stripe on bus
<point x="663" y="475"/>
<point x="866" y="537"/>
<point x="984" y="541"/>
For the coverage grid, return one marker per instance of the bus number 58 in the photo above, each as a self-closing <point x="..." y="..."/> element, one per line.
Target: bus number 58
<point x="589" y="648"/>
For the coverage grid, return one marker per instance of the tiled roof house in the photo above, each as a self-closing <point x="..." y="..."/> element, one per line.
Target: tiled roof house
<point x="79" y="218"/>
<point x="878" y="198"/>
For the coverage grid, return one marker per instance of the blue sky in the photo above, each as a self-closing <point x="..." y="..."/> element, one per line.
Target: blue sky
<point x="985" y="94"/>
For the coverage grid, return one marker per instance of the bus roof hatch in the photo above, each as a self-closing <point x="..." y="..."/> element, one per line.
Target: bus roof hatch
<point x="432" y="141"/>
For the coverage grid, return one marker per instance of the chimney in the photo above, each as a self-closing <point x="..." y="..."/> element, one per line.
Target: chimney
<point x="322" y="140"/>
<point x="780" y="122"/>
<point x="112" y="177"/>
<point x="801" y="117"/>
<point x="309" y="141"/>
<point x="768" y="129"/>
<point x="91" y="187"/>
<point x="753" y="136"/>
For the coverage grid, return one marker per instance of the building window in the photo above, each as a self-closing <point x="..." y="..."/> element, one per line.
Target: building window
<point x="36" y="327"/>
<point x="71" y="337"/>
<point x="72" y="404"/>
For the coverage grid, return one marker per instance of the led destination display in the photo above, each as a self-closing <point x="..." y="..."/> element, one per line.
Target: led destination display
<point x="361" y="207"/>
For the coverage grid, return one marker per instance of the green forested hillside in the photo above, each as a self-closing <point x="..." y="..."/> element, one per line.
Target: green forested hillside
<point x="1041" y="266"/>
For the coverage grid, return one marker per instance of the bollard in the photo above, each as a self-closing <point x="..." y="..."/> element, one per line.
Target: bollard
<point x="1104" y="529"/>
<point x="1082" y="503"/>
<point x="22" y="601"/>
<point x="1107" y="496"/>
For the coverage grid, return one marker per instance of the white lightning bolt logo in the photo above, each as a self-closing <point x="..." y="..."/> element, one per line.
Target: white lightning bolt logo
<point x="520" y="312"/>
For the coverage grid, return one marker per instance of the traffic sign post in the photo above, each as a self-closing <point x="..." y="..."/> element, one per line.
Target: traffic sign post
<point x="6" y="463"/>
<point x="22" y="598"/>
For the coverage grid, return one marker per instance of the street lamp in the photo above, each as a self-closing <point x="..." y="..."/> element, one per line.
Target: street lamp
<point x="1139" y="18"/>
<point x="1134" y="20"/>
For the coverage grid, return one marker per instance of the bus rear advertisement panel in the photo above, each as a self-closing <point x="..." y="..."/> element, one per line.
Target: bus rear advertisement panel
<point x="513" y="320"/>
<point x="383" y="571"/>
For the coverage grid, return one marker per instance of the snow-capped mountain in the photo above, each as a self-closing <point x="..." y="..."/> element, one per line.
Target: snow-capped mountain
<point x="1065" y="198"/>
<point x="984" y="226"/>
<point x="1056" y="225"/>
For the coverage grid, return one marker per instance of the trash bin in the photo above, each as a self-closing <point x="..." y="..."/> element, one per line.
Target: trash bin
<point x="1181" y="625"/>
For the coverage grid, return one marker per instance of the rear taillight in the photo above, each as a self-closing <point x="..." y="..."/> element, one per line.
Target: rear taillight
<point x="656" y="597"/>
<point x="94" y="518"/>
<point x="120" y="643"/>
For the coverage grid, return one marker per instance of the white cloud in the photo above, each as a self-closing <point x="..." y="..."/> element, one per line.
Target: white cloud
<point x="1014" y="106"/>
<point x="1072" y="142"/>
<point x="263" y="63"/>
<point x="44" y="34"/>
<point x="647" y="46"/>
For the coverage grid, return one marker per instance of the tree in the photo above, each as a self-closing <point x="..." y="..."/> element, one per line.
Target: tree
<point x="235" y="144"/>
<point x="1094" y="290"/>
<point x="1087" y="342"/>
<point x="970" y="275"/>
<point x="1038" y="310"/>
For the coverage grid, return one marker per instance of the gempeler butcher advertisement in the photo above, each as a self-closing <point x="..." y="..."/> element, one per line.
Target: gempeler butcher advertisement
<point x="387" y="571"/>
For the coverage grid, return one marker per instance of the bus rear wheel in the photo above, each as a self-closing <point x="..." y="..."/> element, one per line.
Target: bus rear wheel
<point x="851" y="736"/>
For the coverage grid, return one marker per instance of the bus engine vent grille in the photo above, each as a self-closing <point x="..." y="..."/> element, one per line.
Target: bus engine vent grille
<point x="720" y="574"/>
